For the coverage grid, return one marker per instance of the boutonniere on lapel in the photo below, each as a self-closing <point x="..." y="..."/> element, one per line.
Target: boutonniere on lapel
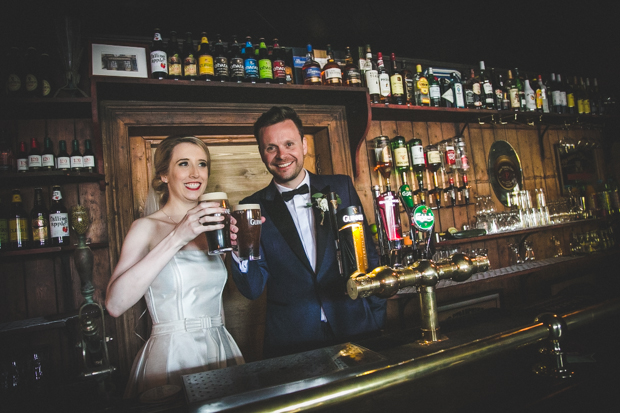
<point x="320" y="201"/>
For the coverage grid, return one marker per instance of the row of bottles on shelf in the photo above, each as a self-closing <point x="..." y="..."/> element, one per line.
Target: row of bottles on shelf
<point x="36" y="159"/>
<point x="27" y="74"/>
<point x="444" y="165"/>
<point x="41" y="227"/>
<point x="592" y="241"/>
<point x="224" y="62"/>
<point x="386" y="83"/>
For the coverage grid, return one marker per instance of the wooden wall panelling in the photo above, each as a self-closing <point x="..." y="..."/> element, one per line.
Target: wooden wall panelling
<point x="488" y="137"/>
<point x="552" y="183"/>
<point x="40" y="286"/>
<point x="13" y="305"/>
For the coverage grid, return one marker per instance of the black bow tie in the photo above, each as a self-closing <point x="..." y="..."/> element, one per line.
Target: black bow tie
<point x="288" y="195"/>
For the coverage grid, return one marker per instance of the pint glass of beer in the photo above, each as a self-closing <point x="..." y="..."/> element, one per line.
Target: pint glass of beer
<point x="219" y="240"/>
<point x="249" y="222"/>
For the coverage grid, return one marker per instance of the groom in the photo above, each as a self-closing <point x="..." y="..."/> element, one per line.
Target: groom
<point x="307" y="307"/>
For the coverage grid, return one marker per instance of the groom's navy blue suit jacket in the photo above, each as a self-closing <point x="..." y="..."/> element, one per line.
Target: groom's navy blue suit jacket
<point x="296" y="293"/>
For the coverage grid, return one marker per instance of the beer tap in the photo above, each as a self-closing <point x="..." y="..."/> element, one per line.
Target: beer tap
<point x="386" y="281"/>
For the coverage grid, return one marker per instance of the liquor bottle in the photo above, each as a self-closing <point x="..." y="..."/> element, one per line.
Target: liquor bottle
<point x="570" y="97"/>
<point x="361" y="63"/>
<point x="498" y="89"/>
<point x="63" y="161"/>
<point x="448" y="148"/>
<point x="408" y="87"/>
<point x="544" y="96"/>
<point x="31" y="76"/>
<point x="19" y="235"/>
<point x="235" y="63"/>
<point x="397" y="84"/>
<point x="384" y="80"/>
<point x="433" y="88"/>
<point x="220" y="61"/>
<point x="190" y="63"/>
<point x="22" y="158"/>
<point x="515" y="101"/>
<point x="34" y="156"/>
<point x="433" y="163"/>
<point x="311" y="70"/>
<point x="383" y="158"/>
<point x="486" y="88"/>
<point x="580" y="95"/>
<point x="520" y="87"/>
<point x="473" y="85"/>
<point x="175" y="63"/>
<point x="352" y="75"/>
<point x="48" y="160"/>
<point x="4" y="227"/>
<point x="447" y="93"/>
<point x="457" y="90"/>
<point x="15" y="84"/>
<point x="451" y="191"/>
<point x="7" y="160"/>
<point x="371" y="76"/>
<point x="265" y="72"/>
<point x="59" y="219"/>
<point x="89" y="157"/>
<point x="421" y="89"/>
<point x="596" y="102"/>
<point x="159" y="58"/>
<point x="39" y="221"/>
<point x="563" y="97"/>
<point x="556" y="95"/>
<point x="205" y="59"/>
<point x="506" y="95"/>
<point x="45" y="76"/>
<point x="278" y="64"/>
<point x="331" y="74"/>
<point x="76" y="160"/>
<point x="250" y="64"/>
<point x="400" y="157"/>
<point x="530" y="96"/>
<point x="418" y="161"/>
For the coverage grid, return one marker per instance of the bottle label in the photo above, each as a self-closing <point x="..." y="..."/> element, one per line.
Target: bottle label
<point x="333" y="73"/>
<point x="396" y="81"/>
<point x="409" y="87"/>
<point x="557" y="98"/>
<point x="63" y="162"/>
<point x="264" y="69"/>
<point x="39" y="229"/>
<point x="422" y="85"/>
<point x="16" y="198"/>
<point x="220" y="66"/>
<point x="488" y="88"/>
<point x="435" y="92"/>
<point x="400" y="157"/>
<point x="563" y="98"/>
<point x="586" y="106"/>
<point x="56" y="195"/>
<point x="464" y="164"/>
<point x="190" y="68"/>
<point x="515" y="102"/>
<point x="353" y="77"/>
<point x="174" y="65"/>
<point x="433" y="157"/>
<point x="530" y="100"/>
<point x="450" y="155"/>
<point x="448" y="95"/>
<point x="18" y="230"/>
<point x="476" y="88"/>
<point x="417" y="155"/>
<point x="89" y="161"/>
<point x="22" y="164"/>
<point x="59" y="225"/>
<point x="34" y="161"/>
<point x="384" y="84"/>
<point x="159" y="61"/>
<point x="77" y="162"/>
<point x="313" y="74"/>
<point x="236" y="67"/>
<point x="372" y="81"/>
<point x="31" y="82"/>
<point x="14" y="83"/>
<point x="251" y="69"/>
<point x="205" y="65"/>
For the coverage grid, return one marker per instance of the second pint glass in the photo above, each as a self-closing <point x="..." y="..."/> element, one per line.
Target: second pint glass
<point x="219" y="239"/>
<point x="249" y="222"/>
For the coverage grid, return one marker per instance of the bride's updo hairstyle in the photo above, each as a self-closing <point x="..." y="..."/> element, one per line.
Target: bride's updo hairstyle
<point x="163" y="155"/>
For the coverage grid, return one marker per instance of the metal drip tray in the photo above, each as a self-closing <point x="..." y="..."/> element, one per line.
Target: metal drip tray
<point x="211" y="391"/>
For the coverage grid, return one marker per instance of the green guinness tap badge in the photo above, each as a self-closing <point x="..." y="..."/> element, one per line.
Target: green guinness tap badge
<point x="423" y="218"/>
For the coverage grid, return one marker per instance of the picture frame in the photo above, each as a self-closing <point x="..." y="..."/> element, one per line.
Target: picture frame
<point x="118" y="60"/>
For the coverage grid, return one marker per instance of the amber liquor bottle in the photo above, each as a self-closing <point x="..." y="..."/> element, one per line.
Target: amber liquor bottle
<point x="331" y="73"/>
<point x="352" y="76"/>
<point x="311" y="70"/>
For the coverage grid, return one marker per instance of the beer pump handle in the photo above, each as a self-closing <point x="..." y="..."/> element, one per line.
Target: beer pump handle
<point x="332" y="202"/>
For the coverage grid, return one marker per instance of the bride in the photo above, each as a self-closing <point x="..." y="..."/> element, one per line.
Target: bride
<point x="164" y="258"/>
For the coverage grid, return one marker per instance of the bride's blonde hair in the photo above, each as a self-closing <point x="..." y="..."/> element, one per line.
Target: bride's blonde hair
<point x="163" y="155"/>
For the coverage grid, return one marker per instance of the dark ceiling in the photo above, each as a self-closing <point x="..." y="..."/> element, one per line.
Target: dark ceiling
<point x="544" y="36"/>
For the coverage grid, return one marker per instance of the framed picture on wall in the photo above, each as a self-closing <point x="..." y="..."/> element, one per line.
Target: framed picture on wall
<point x="118" y="60"/>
